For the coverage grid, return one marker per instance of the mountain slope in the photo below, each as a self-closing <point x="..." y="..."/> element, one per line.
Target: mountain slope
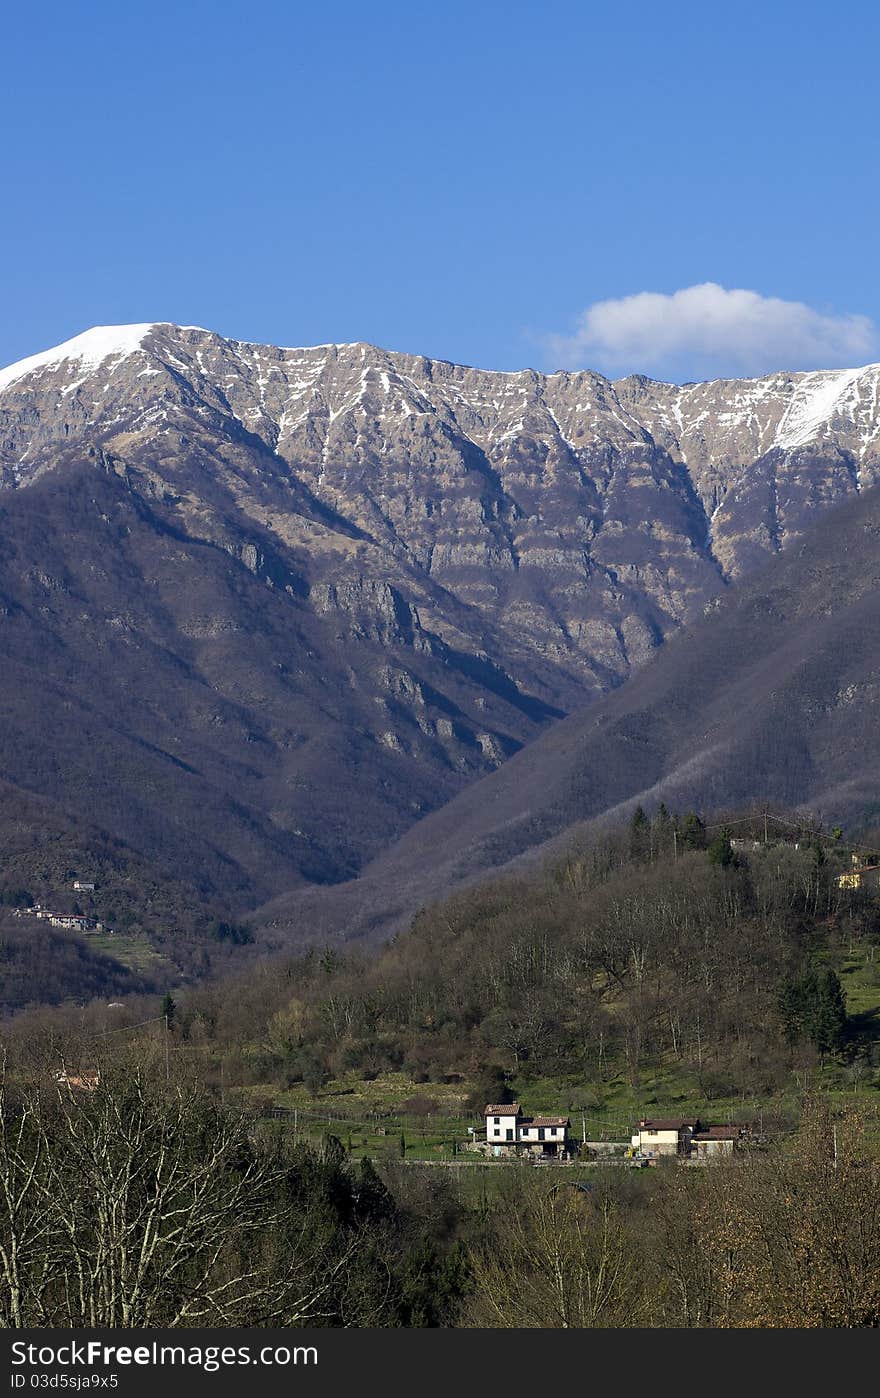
<point x="155" y="684"/>
<point x="775" y="694"/>
<point x="261" y="609"/>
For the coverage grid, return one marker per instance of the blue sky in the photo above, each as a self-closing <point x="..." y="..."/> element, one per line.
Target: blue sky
<point x="459" y="180"/>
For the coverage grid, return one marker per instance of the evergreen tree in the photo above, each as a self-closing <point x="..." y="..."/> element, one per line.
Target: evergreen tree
<point x="720" y="851"/>
<point x="813" y="1006"/>
<point x="693" y="832"/>
<point x="372" y="1199"/>
<point x="790" y="1008"/>
<point x="432" y="1284"/>
<point x="639" y="834"/>
<point x="828" y="1020"/>
<point x="662" y="828"/>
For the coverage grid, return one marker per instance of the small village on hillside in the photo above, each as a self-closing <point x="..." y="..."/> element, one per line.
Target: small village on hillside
<point x="75" y="921"/>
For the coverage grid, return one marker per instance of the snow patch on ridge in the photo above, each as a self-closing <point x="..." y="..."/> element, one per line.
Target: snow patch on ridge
<point x="89" y="350"/>
<point x="815" y="400"/>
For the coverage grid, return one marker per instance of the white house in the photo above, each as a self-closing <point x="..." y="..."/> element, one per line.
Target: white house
<point x="545" y="1135"/>
<point x="512" y="1133"/>
<point x="502" y="1124"/>
<point x="82" y="887"/>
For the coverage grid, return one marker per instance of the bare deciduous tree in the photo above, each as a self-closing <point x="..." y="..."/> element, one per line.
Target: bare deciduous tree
<point x="561" y="1261"/>
<point x="129" y="1206"/>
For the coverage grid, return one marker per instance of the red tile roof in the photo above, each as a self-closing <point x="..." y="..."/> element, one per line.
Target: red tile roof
<point x="508" y="1109"/>
<point x="717" y="1133"/>
<point x="548" y="1121"/>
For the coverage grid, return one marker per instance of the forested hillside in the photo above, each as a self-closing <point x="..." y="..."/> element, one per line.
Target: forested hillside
<point x="676" y="964"/>
<point x="672" y="960"/>
<point x="658" y="948"/>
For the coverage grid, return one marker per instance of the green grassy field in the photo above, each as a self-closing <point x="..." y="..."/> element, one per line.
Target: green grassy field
<point x="131" y="949"/>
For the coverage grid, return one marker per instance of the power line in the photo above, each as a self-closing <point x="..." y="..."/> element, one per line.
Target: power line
<point x="803" y="829"/>
<point x="126" y="1028"/>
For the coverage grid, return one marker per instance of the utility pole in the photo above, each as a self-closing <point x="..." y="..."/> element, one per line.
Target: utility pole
<point x="294" y="1126"/>
<point x="674" y="843"/>
<point x="167" y="1058"/>
<point x="584" y="1126"/>
<point x="834" y="1142"/>
<point x="765" y="827"/>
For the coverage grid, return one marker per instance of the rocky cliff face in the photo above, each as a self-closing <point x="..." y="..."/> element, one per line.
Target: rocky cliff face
<point x="468" y="552"/>
<point x="581" y="518"/>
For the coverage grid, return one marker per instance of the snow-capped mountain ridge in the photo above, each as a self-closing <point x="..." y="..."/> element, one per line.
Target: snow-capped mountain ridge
<point x="89" y="350"/>
<point x="784" y="410"/>
<point x="581" y="517"/>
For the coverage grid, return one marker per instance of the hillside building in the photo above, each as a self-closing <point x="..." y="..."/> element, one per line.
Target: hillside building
<point x="861" y="875"/>
<point x="664" y="1135"/>
<point x="684" y="1137"/>
<point x="508" y="1132"/>
<point x="712" y="1142"/>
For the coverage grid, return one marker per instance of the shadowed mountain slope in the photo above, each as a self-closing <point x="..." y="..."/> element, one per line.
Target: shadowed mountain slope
<point x="775" y="694"/>
<point x="198" y="709"/>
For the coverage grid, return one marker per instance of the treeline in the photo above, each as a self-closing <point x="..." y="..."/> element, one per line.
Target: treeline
<point x="659" y="942"/>
<point x="135" y="1204"/>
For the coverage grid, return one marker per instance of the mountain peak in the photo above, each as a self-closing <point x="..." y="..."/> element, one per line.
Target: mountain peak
<point x="90" y="349"/>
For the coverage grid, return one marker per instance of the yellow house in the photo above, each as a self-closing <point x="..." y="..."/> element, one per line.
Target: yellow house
<point x="688" y="1137"/>
<point x="860" y="876"/>
<point x="664" y="1136"/>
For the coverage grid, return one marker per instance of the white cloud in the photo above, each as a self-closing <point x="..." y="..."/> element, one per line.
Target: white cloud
<point x="707" y="331"/>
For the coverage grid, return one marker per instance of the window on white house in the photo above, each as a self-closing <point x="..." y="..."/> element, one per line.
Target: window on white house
<point x="497" y="1120"/>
